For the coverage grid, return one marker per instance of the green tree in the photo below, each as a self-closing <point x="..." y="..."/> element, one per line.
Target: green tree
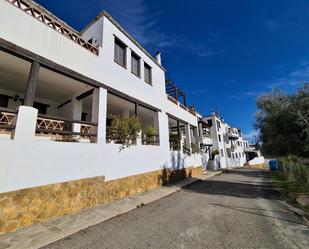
<point x="283" y="122"/>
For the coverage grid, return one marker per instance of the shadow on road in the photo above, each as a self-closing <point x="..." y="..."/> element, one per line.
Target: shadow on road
<point x="237" y="184"/>
<point x="235" y="189"/>
<point x="245" y="210"/>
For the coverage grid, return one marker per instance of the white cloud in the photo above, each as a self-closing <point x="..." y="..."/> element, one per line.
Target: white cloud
<point x="143" y="23"/>
<point x="203" y="51"/>
<point x="140" y="21"/>
<point x="244" y="95"/>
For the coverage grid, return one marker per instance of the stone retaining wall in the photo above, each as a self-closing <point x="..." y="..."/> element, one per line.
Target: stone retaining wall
<point x="29" y="206"/>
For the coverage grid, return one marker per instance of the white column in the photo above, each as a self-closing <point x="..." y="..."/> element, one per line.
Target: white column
<point x="128" y="53"/>
<point x="25" y="123"/>
<point x="99" y="112"/>
<point x="188" y="136"/>
<point x="77" y="107"/>
<point x="163" y="131"/>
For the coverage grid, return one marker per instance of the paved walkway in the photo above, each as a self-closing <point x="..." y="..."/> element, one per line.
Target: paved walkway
<point x="37" y="236"/>
<point x="239" y="209"/>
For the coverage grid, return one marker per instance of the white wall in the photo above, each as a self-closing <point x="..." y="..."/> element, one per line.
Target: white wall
<point x="39" y="162"/>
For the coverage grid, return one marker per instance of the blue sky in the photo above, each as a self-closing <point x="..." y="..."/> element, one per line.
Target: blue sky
<point x="222" y="53"/>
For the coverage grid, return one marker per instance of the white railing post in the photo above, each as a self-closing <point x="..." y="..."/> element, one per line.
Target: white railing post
<point x="25" y="123"/>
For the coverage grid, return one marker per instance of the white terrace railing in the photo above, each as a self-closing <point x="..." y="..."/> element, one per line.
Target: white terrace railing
<point x="43" y="16"/>
<point x="59" y="129"/>
<point x="7" y="122"/>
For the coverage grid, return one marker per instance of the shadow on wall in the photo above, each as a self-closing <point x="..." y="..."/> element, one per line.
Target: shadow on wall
<point x="205" y="161"/>
<point x="177" y="160"/>
<point x="169" y="176"/>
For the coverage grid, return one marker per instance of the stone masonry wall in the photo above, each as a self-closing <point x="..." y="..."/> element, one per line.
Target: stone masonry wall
<point x="29" y="206"/>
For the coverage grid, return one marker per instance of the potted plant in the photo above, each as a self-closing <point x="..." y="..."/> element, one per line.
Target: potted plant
<point x="150" y="134"/>
<point x="125" y="131"/>
<point x="174" y="141"/>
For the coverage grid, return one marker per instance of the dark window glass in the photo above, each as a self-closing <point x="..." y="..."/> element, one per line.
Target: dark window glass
<point x="84" y="116"/>
<point x="218" y="125"/>
<point x="222" y="154"/>
<point x="4" y="100"/>
<point x="147" y="72"/>
<point x="228" y="152"/>
<point x="42" y="108"/>
<point x="120" y="53"/>
<point x="135" y="64"/>
<point x="219" y="136"/>
<point x="209" y="122"/>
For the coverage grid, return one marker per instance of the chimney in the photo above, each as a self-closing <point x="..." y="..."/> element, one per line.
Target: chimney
<point x="158" y="57"/>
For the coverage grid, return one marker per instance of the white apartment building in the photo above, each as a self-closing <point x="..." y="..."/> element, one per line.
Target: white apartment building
<point x="228" y="141"/>
<point x="60" y="92"/>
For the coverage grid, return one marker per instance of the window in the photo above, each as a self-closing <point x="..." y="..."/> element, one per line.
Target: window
<point x="228" y="152"/>
<point x="232" y="155"/>
<point x="222" y="154"/>
<point x="135" y="64"/>
<point x="209" y="122"/>
<point x="120" y="53"/>
<point x="4" y="100"/>
<point x="236" y="155"/>
<point x="147" y="72"/>
<point x="42" y="108"/>
<point x="219" y="137"/>
<point x="218" y="125"/>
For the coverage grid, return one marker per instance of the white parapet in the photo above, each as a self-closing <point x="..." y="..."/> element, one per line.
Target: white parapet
<point x="25" y="123"/>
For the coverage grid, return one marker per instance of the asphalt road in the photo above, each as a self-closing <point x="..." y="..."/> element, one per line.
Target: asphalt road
<point x="237" y="210"/>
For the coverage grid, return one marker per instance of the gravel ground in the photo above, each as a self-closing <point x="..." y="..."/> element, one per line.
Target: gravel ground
<point x="239" y="209"/>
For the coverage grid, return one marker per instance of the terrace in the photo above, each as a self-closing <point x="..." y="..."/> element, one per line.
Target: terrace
<point x="123" y="108"/>
<point x="44" y="16"/>
<point x="179" y="136"/>
<point x="178" y="97"/>
<point x="66" y="107"/>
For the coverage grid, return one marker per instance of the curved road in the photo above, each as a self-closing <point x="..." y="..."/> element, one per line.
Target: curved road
<point x="237" y="210"/>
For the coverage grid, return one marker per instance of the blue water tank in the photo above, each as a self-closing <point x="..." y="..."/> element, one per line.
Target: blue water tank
<point x="273" y="164"/>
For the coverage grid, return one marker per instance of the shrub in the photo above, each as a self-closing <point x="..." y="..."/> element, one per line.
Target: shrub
<point x="150" y="135"/>
<point x="296" y="171"/>
<point x="126" y="131"/>
<point x="195" y="148"/>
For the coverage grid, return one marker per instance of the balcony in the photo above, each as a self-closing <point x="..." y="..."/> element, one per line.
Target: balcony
<point x="206" y="140"/>
<point x="232" y="133"/>
<point x="7" y="123"/>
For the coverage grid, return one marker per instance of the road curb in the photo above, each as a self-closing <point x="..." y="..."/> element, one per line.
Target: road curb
<point x="45" y="233"/>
